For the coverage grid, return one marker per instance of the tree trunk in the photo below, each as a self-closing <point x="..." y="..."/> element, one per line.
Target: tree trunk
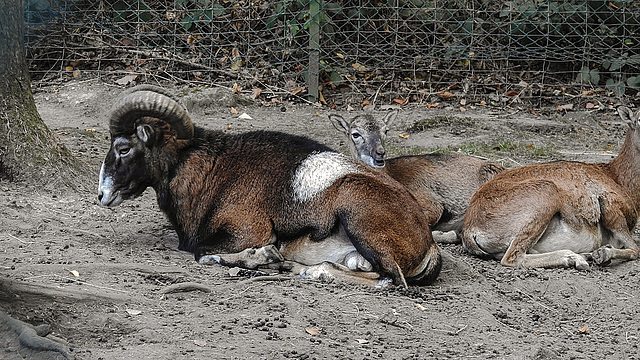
<point x="28" y="149"/>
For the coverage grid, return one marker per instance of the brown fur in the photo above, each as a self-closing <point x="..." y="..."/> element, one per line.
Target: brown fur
<point x="441" y="183"/>
<point x="544" y="215"/>
<point x="232" y="196"/>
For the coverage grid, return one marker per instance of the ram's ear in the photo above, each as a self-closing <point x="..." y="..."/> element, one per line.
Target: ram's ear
<point x="146" y="133"/>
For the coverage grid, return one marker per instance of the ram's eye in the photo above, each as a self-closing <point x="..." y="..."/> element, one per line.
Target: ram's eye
<point x="355" y="136"/>
<point x="124" y="151"/>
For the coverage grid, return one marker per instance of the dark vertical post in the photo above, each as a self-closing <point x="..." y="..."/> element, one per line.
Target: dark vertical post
<point x="314" y="49"/>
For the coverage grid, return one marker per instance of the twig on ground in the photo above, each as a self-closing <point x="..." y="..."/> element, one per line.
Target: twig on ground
<point x="266" y="278"/>
<point x="20" y="240"/>
<point x="88" y="284"/>
<point x="186" y="287"/>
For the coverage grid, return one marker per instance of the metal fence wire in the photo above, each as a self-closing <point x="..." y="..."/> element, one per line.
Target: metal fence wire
<point x="349" y="51"/>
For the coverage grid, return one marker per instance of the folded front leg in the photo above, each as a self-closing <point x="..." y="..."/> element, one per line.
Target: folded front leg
<point x="251" y="258"/>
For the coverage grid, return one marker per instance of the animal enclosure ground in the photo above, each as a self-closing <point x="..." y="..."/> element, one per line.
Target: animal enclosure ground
<point x="106" y="280"/>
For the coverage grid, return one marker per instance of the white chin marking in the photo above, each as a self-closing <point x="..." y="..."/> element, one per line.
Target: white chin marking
<point x="317" y="172"/>
<point x="369" y="161"/>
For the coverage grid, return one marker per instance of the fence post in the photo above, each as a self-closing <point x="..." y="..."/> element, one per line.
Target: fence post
<point x="314" y="49"/>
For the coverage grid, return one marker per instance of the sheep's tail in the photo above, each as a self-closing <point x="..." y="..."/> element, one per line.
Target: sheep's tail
<point x="470" y="243"/>
<point x="428" y="269"/>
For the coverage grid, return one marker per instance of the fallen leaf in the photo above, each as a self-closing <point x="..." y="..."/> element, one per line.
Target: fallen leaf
<point x="584" y="329"/>
<point x="74" y="273"/>
<point x="530" y="146"/>
<point x="359" y="67"/>
<point x="511" y="93"/>
<point x="365" y="102"/>
<point x="233" y="110"/>
<point x="462" y="109"/>
<point x="236" y="88"/>
<point x="91" y="129"/>
<point x="314" y="331"/>
<point x="228" y="127"/>
<point x="245" y="116"/>
<point x="340" y="55"/>
<point x="401" y="101"/>
<point x="200" y="342"/>
<point x="321" y="98"/>
<point x="362" y="341"/>
<point x="404" y="136"/>
<point x="133" y="312"/>
<point x="255" y="93"/>
<point x="125" y="80"/>
<point x="77" y="73"/>
<point x="296" y="90"/>
<point x="591" y="106"/>
<point x="565" y="107"/>
<point x="430" y="106"/>
<point x="420" y="307"/>
<point x="482" y="103"/>
<point x="69" y="68"/>
<point x="447" y="95"/>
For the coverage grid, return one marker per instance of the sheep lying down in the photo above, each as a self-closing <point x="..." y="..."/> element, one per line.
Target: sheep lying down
<point x="260" y="198"/>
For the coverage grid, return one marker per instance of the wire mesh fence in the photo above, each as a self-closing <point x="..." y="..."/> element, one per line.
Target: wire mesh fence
<point x="349" y="51"/>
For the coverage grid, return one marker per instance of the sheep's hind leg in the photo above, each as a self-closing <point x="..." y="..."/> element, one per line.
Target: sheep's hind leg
<point x="559" y="258"/>
<point x="621" y="245"/>
<point x="330" y="271"/>
<point x="445" y="237"/>
<point x="251" y="258"/>
<point x="604" y="255"/>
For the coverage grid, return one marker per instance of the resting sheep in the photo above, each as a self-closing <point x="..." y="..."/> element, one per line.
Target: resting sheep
<point x="560" y="214"/>
<point x="262" y="197"/>
<point x="442" y="183"/>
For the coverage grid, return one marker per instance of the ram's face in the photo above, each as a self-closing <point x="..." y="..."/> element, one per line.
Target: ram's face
<point x="124" y="173"/>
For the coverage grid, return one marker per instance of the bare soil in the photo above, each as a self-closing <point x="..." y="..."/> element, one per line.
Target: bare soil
<point x="105" y="279"/>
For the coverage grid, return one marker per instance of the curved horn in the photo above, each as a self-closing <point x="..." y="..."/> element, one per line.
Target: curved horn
<point x="151" y="101"/>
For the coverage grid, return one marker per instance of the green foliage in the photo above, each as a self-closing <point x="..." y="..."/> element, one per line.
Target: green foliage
<point x="198" y="10"/>
<point x="131" y="11"/>
<point x="500" y="147"/>
<point x="617" y="79"/>
<point x="440" y="121"/>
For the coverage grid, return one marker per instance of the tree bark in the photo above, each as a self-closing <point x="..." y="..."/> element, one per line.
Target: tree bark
<point x="28" y="149"/>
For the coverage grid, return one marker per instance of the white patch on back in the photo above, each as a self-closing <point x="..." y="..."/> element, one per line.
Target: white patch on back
<point x="317" y="172"/>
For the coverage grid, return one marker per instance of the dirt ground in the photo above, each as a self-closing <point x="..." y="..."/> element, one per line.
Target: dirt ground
<point x="102" y="278"/>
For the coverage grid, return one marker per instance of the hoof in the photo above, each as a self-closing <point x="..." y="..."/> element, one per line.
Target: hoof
<point x="355" y="261"/>
<point x="271" y="254"/>
<point x="579" y="262"/>
<point x="601" y="256"/>
<point x="321" y="272"/>
<point x="209" y="259"/>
